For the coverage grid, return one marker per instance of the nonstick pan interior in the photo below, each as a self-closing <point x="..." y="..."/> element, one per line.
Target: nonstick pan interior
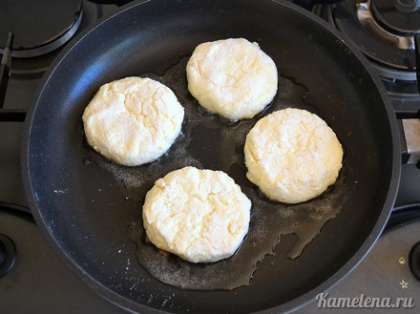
<point x="87" y="210"/>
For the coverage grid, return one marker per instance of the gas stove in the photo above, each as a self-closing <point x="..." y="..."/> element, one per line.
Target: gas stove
<point x="33" y="33"/>
<point x="386" y="38"/>
<point x="378" y="30"/>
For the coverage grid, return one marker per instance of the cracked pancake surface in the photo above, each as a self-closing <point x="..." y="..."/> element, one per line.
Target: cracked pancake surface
<point x="292" y="155"/>
<point x="232" y="77"/>
<point x="133" y="121"/>
<point x="199" y="215"/>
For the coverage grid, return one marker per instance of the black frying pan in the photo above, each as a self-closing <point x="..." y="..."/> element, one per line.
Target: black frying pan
<point x="85" y="204"/>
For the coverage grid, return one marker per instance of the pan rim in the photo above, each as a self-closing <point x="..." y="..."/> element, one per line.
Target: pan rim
<point x="289" y="306"/>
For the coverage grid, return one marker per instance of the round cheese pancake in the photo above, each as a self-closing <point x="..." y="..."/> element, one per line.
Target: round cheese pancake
<point x="232" y="77"/>
<point x="292" y="155"/>
<point x="199" y="215"/>
<point x="133" y="121"/>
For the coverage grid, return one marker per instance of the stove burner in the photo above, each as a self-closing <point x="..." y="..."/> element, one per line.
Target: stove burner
<point x="391" y="53"/>
<point x="365" y="17"/>
<point x="38" y="27"/>
<point x="7" y="254"/>
<point x="400" y="16"/>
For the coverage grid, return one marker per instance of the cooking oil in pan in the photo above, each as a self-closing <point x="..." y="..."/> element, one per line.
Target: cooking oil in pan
<point x="208" y="141"/>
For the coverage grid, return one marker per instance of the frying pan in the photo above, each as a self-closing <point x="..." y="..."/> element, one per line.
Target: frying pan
<point x="85" y="210"/>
